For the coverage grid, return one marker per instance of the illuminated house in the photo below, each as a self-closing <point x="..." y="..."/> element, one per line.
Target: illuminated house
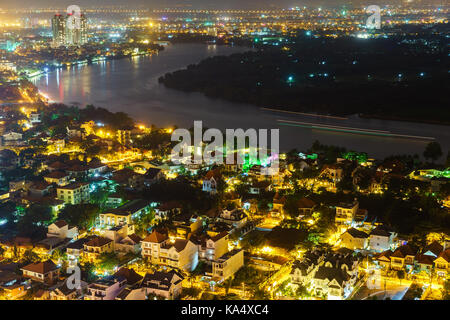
<point x="164" y="209"/>
<point x="237" y="218"/>
<point x="336" y="277"/>
<point x="333" y="173"/>
<point x="125" y="214"/>
<point x="345" y="212"/>
<point x="152" y="176"/>
<point x="257" y="187"/>
<point x="129" y="179"/>
<point x="45" y="272"/>
<point x="306" y="206"/>
<point x="158" y="249"/>
<point x="58" y="177"/>
<point x="163" y="284"/>
<point x="212" y="248"/>
<point x="106" y="288"/>
<point x="354" y="239"/>
<point x="211" y="180"/>
<point x="75" y="249"/>
<point x="96" y="168"/>
<point x="442" y="263"/>
<point x="380" y="239"/>
<point x="384" y="259"/>
<point x="124" y="239"/>
<point x="403" y="257"/>
<point x="35" y="118"/>
<point x="186" y="225"/>
<point x="124" y="136"/>
<point x="278" y="204"/>
<point x="303" y="270"/>
<point x="227" y="265"/>
<point x="97" y="246"/>
<point x="16" y="247"/>
<point x="62" y="292"/>
<point x="74" y="193"/>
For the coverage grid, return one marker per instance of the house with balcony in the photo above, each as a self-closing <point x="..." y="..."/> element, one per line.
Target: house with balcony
<point x="178" y="253"/>
<point x="57" y="177"/>
<point x="74" y="193"/>
<point x="303" y="270"/>
<point x="331" y="175"/>
<point x="166" y="285"/>
<point x="125" y="214"/>
<point x="95" y="247"/>
<point x="336" y="276"/>
<point x="75" y="249"/>
<point x="404" y="257"/>
<point x="345" y="212"/>
<point x="236" y="218"/>
<point x="442" y="263"/>
<point x="106" y="288"/>
<point x="306" y="207"/>
<point x="211" y="248"/>
<point x="227" y="265"/>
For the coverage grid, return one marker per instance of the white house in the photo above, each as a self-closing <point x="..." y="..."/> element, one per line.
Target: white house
<point x="163" y="284"/>
<point x="61" y="229"/>
<point x="354" y="239"/>
<point x="381" y="239"/>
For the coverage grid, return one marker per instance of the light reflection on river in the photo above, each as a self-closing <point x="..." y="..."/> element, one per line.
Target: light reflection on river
<point x="131" y="85"/>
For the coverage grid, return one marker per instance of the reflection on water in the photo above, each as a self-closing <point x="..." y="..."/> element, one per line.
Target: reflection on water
<point x="131" y="85"/>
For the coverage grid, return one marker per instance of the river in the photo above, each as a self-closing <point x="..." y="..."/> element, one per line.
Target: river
<point x="131" y="85"/>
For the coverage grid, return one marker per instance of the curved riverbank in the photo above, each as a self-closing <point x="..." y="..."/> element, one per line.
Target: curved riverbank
<point x="131" y="85"/>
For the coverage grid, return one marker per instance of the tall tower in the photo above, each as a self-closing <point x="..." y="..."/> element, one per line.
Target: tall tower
<point x="59" y="30"/>
<point x="76" y="34"/>
<point x="83" y="29"/>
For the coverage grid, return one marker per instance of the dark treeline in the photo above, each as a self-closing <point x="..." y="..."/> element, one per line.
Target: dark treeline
<point x="402" y="78"/>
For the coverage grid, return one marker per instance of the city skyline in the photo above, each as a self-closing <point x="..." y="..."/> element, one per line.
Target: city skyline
<point x="199" y="4"/>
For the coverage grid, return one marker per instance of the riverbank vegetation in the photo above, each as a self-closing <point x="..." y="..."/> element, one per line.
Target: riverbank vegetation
<point x="401" y="78"/>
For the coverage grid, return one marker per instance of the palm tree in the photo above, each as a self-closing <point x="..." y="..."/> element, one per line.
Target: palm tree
<point x="29" y="256"/>
<point x="58" y="255"/>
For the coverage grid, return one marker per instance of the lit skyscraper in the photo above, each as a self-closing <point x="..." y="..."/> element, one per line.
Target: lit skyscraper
<point x="68" y="33"/>
<point x="76" y="36"/>
<point x="59" y="30"/>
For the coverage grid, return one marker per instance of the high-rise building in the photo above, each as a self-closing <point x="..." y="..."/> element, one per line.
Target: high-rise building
<point x="59" y="30"/>
<point x="76" y="34"/>
<point x="68" y="33"/>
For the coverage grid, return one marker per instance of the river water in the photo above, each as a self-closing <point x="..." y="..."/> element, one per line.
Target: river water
<point x="131" y="85"/>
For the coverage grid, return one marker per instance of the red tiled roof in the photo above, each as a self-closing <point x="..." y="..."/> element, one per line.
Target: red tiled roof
<point x="41" y="267"/>
<point x="425" y="259"/>
<point x="403" y="251"/>
<point x="56" y="175"/>
<point x="434" y="247"/>
<point x="155" y="237"/>
<point x="213" y="174"/>
<point x="306" y="203"/>
<point x="445" y="255"/>
<point x="98" y="242"/>
<point x="60" y="223"/>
